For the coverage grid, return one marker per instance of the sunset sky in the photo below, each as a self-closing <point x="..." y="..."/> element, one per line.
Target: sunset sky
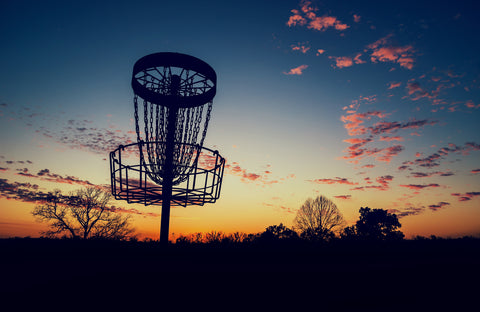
<point x="370" y="103"/>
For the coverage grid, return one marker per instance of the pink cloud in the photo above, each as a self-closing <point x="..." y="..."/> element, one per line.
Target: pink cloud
<point x="383" y="51"/>
<point x="475" y="171"/>
<point x="337" y="180"/>
<point x="470" y="104"/>
<point x="356" y="18"/>
<point x="394" y="85"/>
<point x="342" y="61"/>
<point x="296" y="19"/>
<point x="390" y="139"/>
<point x="320" y="51"/>
<point x="354" y="120"/>
<point x="297" y="70"/>
<point x="307" y="16"/>
<point x="302" y="48"/>
<point x="357" y="59"/>
<point x="343" y="196"/>
<point x="346" y="61"/>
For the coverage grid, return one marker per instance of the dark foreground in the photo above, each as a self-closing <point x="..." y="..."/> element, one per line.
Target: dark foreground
<point x="345" y="276"/>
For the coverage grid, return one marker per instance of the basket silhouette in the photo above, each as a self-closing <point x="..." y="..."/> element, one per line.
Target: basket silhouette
<point x="130" y="180"/>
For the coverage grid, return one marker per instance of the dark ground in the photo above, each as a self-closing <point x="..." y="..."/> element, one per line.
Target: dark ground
<point x="411" y="275"/>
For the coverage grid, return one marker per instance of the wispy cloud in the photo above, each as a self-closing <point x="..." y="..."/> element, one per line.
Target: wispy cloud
<point x="265" y="177"/>
<point x="297" y="70"/>
<point x="46" y="175"/>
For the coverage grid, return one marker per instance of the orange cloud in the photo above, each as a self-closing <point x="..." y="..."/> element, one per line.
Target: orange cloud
<point x="356" y="18"/>
<point x="320" y="51"/>
<point x="297" y="70"/>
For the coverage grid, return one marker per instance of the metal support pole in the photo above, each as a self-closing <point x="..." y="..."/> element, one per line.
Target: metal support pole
<point x="168" y="166"/>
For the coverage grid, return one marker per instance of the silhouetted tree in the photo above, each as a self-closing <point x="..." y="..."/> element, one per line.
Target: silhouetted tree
<point x="82" y="214"/>
<point x="318" y="218"/>
<point x="374" y="224"/>
<point x="277" y="233"/>
<point x="214" y="237"/>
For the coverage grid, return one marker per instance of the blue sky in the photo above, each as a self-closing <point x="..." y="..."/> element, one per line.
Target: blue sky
<point x="294" y="79"/>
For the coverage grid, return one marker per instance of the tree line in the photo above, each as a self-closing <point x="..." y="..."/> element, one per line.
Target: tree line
<point x="85" y="214"/>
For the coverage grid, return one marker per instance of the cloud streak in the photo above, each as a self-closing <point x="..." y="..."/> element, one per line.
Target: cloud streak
<point x="336" y="180"/>
<point x="434" y="159"/>
<point x="46" y="175"/>
<point x="418" y="187"/>
<point x="466" y="196"/>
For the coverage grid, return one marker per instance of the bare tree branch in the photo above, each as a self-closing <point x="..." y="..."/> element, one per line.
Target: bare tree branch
<point x="318" y="218"/>
<point x="83" y="213"/>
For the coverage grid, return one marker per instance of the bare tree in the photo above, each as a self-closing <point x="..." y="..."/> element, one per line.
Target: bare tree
<point x="318" y="218"/>
<point x="83" y="214"/>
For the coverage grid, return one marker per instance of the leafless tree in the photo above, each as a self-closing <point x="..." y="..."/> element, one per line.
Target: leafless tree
<point x="318" y="218"/>
<point x="84" y="213"/>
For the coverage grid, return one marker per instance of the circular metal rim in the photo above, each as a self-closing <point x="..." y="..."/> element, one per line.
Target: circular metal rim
<point x="152" y="194"/>
<point x="178" y="60"/>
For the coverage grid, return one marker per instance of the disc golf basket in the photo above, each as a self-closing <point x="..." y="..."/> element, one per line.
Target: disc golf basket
<point x="168" y="164"/>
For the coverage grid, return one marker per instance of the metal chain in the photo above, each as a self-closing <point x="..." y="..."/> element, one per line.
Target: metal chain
<point x="187" y="130"/>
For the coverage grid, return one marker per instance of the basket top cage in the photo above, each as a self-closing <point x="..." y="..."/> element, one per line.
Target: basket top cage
<point x="153" y="75"/>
